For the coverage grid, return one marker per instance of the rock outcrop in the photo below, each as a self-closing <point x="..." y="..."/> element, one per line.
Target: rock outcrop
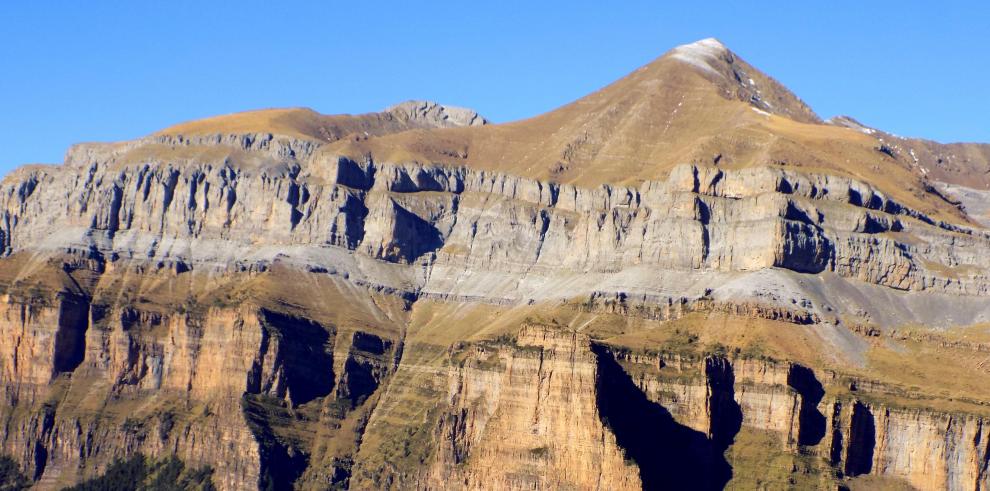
<point x="437" y="115"/>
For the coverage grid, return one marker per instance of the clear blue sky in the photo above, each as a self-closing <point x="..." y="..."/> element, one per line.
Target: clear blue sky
<point x="93" y="71"/>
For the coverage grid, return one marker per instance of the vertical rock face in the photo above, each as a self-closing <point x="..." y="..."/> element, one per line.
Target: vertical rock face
<point x="701" y="218"/>
<point x="926" y="448"/>
<point x="44" y="337"/>
<point x="196" y="367"/>
<point x="183" y="305"/>
<point x="218" y="385"/>
<point x="525" y="416"/>
<point x="686" y="456"/>
<point x="929" y="449"/>
<point x="269" y="390"/>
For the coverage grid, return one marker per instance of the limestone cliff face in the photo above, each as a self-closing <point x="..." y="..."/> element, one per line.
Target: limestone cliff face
<point x="416" y="299"/>
<point x="929" y="449"/>
<point x="546" y="407"/>
<point x="85" y="383"/>
<point x="536" y="414"/>
<point x="526" y="417"/>
<point x="549" y="409"/>
<point x="197" y="362"/>
<point x="926" y="448"/>
<point x="43" y="339"/>
<point x="244" y="204"/>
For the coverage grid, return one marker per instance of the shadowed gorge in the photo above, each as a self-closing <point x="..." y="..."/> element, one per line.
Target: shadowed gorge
<point x="862" y="438"/>
<point x="726" y="416"/>
<point x="812" y="421"/>
<point x="669" y="455"/>
<point x="281" y="463"/>
<point x="363" y="370"/>
<point x="303" y="349"/>
<point x="70" y="338"/>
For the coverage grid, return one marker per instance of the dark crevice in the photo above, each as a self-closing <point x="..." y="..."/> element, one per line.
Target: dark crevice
<point x="811" y="422"/>
<point x="835" y="456"/>
<point x="871" y="225"/>
<point x="282" y="462"/>
<point x="359" y="383"/>
<point x="669" y="455"/>
<point x="40" y="451"/>
<point x="369" y="343"/>
<point x="793" y="212"/>
<point x="169" y="193"/>
<point x="412" y="236"/>
<point x="726" y="415"/>
<point x="544" y="219"/>
<point x="355" y="211"/>
<point x="293" y="198"/>
<point x="305" y="353"/>
<point x="704" y="215"/>
<point x="366" y="366"/>
<point x="40" y="460"/>
<point x="355" y="175"/>
<point x="862" y="439"/>
<point x="806" y="249"/>
<point x="116" y="198"/>
<point x="70" y="336"/>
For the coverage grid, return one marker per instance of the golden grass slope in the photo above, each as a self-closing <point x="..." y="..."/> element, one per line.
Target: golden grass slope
<point x="301" y="123"/>
<point x="663" y="114"/>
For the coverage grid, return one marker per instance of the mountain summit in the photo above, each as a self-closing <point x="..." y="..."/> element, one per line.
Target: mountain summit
<point x="699" y="103"/>
<point x="737" y="79"/>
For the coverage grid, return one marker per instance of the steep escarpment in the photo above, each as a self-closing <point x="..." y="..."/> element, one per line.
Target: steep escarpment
<point x="310" y="398"/>
<point x="839" y="435"/>
<point x="228" y="382"/>
<point x="708" y="417"/>
<point x="683" y="280"/>
<point x="498" y="432"/>
<point x="701" y="218"/>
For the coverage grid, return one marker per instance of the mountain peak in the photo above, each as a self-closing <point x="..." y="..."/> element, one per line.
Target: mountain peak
<point x="699" y="102"/>
<point x="739" y="80"/>
<point x="702" y="53"/>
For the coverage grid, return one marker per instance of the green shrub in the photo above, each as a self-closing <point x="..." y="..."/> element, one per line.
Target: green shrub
<point x="11" y="476"/>
<point x="139" y="473"/>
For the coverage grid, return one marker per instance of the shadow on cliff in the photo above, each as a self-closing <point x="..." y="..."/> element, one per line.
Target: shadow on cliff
<point x="669" y="455"/>
<point x="413" y="236"/>
<point x="366" y="365"/>
<point x="282" y="463"/>
<point x="70" y="335"/>
<point x="862" y="440"/>
<point x="811" y="428"/>
<point x="305" y="352"/>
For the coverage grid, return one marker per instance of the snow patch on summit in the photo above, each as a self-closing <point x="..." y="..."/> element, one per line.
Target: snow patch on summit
<point x="849" y="122"/>
<point x="701" y="54"/>
<point x="760" y="111"/>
